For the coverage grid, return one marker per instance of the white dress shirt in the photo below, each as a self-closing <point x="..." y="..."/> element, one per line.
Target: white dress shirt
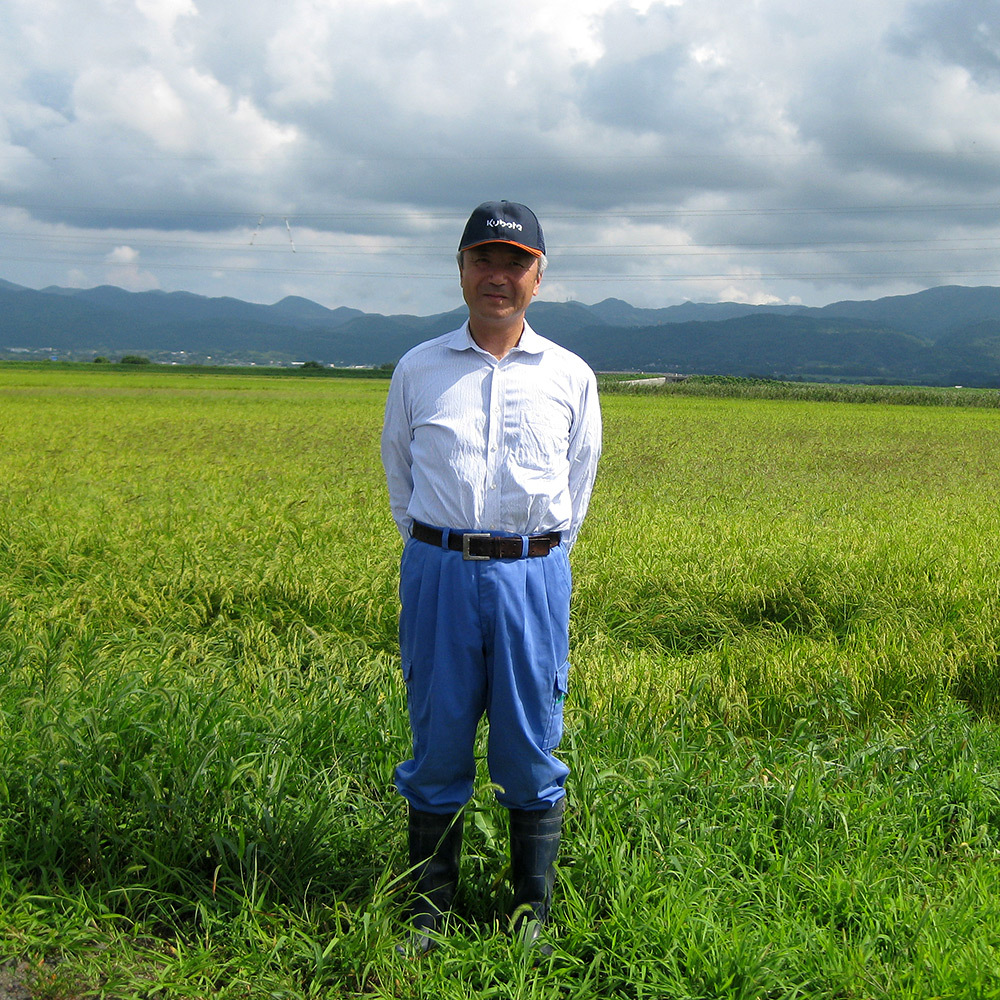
<point x="473" y="443"/>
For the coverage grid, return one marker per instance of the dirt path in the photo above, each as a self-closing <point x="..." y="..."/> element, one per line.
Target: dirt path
<point x="13" y="976"/>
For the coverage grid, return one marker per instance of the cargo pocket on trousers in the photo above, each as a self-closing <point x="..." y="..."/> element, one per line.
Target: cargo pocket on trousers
<point x="554" y="731"/>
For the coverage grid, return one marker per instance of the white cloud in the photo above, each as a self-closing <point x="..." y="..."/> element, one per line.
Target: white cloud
<point x="123" y="255"/>
<point x="123" y="270"/>
<point x="190" y="113"/>
<point x="733" y="293"/>
<point x="758" y="148"/>
<point x="165" y="13"/>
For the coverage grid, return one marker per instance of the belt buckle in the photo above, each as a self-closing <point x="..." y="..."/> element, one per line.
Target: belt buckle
<point x="466" y="554"/>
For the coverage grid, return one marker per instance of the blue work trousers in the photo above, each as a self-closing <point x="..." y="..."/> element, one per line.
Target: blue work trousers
<point x="483" y="637"/>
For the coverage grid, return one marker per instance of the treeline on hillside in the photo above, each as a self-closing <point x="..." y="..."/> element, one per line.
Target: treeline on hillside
<point x="941" y="336"/>
<point x="737" y="387"/>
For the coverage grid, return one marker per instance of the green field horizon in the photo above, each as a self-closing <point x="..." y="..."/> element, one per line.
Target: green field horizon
<point x="781" y="726"/>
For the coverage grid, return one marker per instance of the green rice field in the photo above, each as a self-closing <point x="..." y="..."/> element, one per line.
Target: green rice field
<point x="782" y="724"/>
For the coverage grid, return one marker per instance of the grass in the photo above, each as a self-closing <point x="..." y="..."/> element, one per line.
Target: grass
<point x="785" y="765"/>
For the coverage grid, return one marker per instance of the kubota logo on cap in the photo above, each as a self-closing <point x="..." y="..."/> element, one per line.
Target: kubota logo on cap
<point x="505" y="224"/>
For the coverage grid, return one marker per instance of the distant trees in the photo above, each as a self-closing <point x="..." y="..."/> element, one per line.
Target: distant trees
<point x="134" y="359"/>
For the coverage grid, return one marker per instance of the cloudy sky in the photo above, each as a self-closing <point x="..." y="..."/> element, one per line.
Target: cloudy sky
<point x="747" y="150"/>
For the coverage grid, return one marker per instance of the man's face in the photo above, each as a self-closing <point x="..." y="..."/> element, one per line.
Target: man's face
<point x="498" y="281"/>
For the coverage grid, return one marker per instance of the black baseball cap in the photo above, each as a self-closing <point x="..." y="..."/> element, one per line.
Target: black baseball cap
<point x="504" y="222"/>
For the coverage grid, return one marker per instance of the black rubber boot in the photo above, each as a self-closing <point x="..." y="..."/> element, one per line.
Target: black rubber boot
<point x="435" y="853"/>
<point x="534" y="846"/>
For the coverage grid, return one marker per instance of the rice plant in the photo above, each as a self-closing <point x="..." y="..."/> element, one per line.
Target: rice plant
<point x="785" y="767"/>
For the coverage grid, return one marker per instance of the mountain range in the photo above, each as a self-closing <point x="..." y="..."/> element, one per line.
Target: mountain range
<point x="942" y="336"/>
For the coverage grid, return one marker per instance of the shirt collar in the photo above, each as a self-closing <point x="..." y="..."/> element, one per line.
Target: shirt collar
<point x="530" y="342"/>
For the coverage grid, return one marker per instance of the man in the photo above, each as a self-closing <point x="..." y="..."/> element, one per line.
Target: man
<point x="490" y="446"/>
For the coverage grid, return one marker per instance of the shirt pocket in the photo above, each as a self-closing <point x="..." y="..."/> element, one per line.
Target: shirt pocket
<point x="542" y="440"/>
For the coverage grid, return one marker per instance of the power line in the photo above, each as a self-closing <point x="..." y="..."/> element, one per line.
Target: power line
<point x="583" y="278"/>
<point x="594" y="250"/>
<point x="403" y="214"/>
<point x="71" y="248"/>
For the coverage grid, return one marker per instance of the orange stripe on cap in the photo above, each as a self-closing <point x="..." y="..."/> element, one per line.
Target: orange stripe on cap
<point x="512" y="243"/>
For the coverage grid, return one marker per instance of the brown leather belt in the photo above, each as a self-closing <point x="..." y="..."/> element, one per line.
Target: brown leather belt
<point x="480" y="545"/>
